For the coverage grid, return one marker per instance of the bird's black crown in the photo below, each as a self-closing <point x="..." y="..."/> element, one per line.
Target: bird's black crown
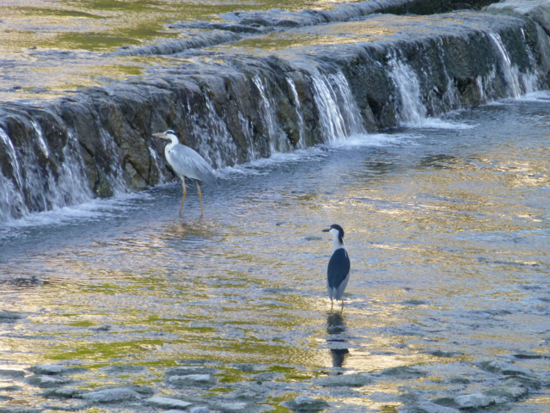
<point x="340" y="231"/>
<point x="170" y="131"/>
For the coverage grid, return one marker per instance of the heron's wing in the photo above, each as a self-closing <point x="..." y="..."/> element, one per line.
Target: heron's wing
<point x="187" y="162"/>
<point x="338" y="268"/>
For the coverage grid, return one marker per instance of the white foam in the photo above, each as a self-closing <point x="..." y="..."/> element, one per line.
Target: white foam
<point x="91" y="210"/>
<point x="437" y="123"/>
<point x="374" y="140"/>
<point x="264" y="166"/>
<point x="539" y="96"/>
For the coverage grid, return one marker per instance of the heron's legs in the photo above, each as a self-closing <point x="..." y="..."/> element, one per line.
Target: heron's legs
<point x="331" y="303"/>
<point x="184" y="194"/>
<point x="200" y="198"/>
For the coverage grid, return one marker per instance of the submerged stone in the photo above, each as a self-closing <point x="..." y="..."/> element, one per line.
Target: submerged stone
<point x="113" y="395"/>
<point x="123" y="369"/>
<point x="200" y="409"/>
<point x="346" y="380"/>
<point x="505" y="368"/>
<point x="474" y="400"/>
<point x="403" y="372"/>
<point x="167" y="403"/>
<point x="12" y="374"/>
<point x="52" y="369"/>
<point x="429" y="407"/>
<point x="64" y="393"/>
<point x="45" y="381"/>
<point x="240" y="407"/>
<point x="189" y="370"/>
<point x="306" y="404"/>
<point x="7" y="316"/>
<point x="192" y="380"/>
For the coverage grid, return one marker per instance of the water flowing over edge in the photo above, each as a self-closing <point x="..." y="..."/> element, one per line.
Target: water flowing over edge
<point x="286" y="109"/>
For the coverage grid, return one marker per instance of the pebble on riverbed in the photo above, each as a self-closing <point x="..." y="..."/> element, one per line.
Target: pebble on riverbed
<point x="346" y="380"/>
<point x="54" y="369"/>
<point x="192" y="380"/>
<point x="114" y="395"/>
<point x="306" y="404"/>
<point x="167" y="403"/>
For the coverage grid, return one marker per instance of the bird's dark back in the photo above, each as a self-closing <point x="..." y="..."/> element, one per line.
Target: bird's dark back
<point x="338" y="267"/>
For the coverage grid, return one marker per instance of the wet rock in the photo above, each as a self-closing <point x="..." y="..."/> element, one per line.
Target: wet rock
<point x="192" y="380"/>
<point x="200" y="409"/>
<point x="428" y="407"/>
<point x="474" y="400"/>
<point x="446" y="354"/>
<point x="9" y="316"/>
<point x="346" y="380"/>
<point x="12" y="374"/>
<point x="10" y="388"/>
<point x="167" y="403"/>
<point x="122" y="369"/>
<point x="403" y="373"/>
<point x="380" y="397"/>
<point x="513" y="389"/>
<point x="414" y="302"/>
<point x="19" y="409"/>
<point x="113" y="395"/>
<point x="238" y="407"/>
<point x="245" y="367"/>
<point x="67" y="405"/>
<point x="505" y="368"/>
<point x="538" y="10"/>
<point x="189" y="370"/>
<point x="45" y="381"/>
<point x="532" y="356"/>
<point x="64" y="393"/>
<point x="306" y="404"/>
<point x="53" y="369"/>
<point x="268" y="376"/>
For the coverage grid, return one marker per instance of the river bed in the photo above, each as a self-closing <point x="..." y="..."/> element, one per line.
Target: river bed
<point x="447" y="224"/>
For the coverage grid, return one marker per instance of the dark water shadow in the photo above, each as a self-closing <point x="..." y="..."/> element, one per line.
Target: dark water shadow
<point x="337" y="343"/>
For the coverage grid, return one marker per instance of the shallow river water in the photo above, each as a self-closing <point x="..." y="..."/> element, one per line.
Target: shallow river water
<point x="448" y="229"/>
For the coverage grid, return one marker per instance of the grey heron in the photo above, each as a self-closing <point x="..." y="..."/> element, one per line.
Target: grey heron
<point x="186" y="162"/>
<point x="339" y="266"/>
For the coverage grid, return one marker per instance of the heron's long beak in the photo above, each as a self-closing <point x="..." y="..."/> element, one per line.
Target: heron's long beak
<point x="159" y="135"/>
<point x="326" y="230"/>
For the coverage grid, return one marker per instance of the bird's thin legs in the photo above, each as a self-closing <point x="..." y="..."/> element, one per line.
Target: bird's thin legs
<point x="184" y="194"/>
<point x="200" y="198"/>
<point x="331" y="303"/>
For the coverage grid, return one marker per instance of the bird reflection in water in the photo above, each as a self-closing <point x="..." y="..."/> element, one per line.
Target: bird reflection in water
<point x="336" y="340"/>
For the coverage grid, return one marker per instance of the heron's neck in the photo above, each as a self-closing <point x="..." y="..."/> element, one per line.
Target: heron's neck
<point x="336" y="244"/>
<point x="173" y="142"/>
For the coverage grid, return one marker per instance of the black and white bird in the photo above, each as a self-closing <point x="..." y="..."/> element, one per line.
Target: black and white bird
<point x="186" y="162"/>
<point x="339" y="266"/>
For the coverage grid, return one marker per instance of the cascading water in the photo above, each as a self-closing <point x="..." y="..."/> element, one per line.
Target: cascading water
<point x="238" y="117"/>
<point x="301" y="125"/>
<point x="278" y="141"/>
<point x="38" y="188"/>
<point x="411" y="109"/>
<point x="506" y="67"/>
<point x="338" y="112"/>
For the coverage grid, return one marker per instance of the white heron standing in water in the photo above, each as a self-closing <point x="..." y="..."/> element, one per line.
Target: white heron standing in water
<point x="186" y="162"/>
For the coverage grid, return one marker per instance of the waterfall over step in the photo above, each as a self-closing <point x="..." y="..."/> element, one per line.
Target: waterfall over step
<point x="236" y="106"/>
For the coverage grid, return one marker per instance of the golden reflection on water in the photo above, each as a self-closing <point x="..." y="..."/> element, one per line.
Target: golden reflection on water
<point x="435" y="266"/>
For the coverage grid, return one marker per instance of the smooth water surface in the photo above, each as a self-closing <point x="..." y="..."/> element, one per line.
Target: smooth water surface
<point x="448" y="229"/>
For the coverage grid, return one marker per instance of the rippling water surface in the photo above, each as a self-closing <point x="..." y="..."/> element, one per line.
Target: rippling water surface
<point x="448" y="229"/>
